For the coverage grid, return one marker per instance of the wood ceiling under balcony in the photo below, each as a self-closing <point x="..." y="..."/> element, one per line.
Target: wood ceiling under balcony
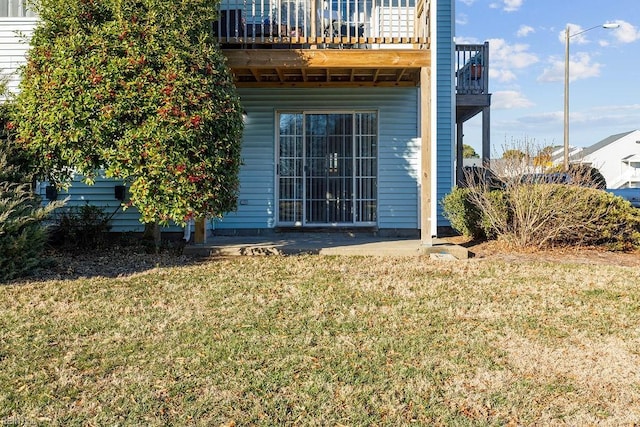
<point x="327" y="67"/>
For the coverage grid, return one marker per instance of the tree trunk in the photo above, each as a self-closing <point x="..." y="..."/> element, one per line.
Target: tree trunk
<point x="200" y="235"/>
<point x="152" y="237"/>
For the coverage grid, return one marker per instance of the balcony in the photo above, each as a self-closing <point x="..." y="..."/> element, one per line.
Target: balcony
<point x="472" y="80"/>
<point x="472" y="75"/>
<point x="472" y="96"/>
<point x="325" y="42"/>
<point x="630" y="176"/>
<point x="328" y="24"/>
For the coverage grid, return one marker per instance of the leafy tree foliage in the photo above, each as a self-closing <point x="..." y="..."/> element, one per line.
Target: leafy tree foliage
<point x="140" y="90"/>
<point x="22" y="235"/>
<point x="514" y="155"/>
<point x="468" y="152"/>
<point x="544" y="157"/>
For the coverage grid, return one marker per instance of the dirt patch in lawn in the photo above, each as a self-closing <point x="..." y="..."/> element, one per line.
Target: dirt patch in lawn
<point x="115" y="261"/>
<point x="493" y="250"/>
<point x="119" y="261"/>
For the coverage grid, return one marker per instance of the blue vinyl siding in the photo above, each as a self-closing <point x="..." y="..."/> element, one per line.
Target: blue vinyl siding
<point x="398" y="152"/>
<point x="445" y="50"/>
<point x="398" y="149"/>
<point x="102" y="195"/>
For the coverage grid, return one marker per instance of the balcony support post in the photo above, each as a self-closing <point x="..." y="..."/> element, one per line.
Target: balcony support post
<point x="425" y="159"/>
<point x="486" y="137"/>
<point x="459" y="151"/>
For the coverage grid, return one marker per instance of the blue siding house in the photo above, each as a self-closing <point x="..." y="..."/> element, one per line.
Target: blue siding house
<point x="350" y="113"/>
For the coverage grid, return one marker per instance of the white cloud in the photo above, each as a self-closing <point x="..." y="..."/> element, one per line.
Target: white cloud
<point x="625" y="117"/>
<point x="574" y="30"/>
<point x="525" y="30"/>
<point x="580" y="67"/>
<point x="462" y="19"/>
<point x="554" y="73"/>
<point x="512" y="5"/>
<point x="619" y="108"/>
<point x="507" y="5"/>
<point x="501" y="75"/>
<point x="505" y="58"/>
<point x="468" y="2"/>
<point x="504" y="55"/>
<point x="508" y="99"/>
<point x="533" y="120"/>
<point x="587" y="126"/>
<point x="467" y="40"/>
<point x="626" y="33"/>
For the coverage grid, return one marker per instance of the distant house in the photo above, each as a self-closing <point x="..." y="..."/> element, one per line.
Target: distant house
<point x="617" y="157"/>
<point x="352" y="110"/>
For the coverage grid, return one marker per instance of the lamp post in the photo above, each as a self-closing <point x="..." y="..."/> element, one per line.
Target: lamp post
<point x="566" y="85"/>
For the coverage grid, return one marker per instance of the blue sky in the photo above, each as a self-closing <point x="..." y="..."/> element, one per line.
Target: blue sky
<point x="526" y="42"/>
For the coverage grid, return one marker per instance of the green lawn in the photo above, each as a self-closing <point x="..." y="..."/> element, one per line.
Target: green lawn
<point x="325" y="341"/>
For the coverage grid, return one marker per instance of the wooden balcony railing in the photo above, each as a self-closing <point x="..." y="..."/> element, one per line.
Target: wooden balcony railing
<point x="249" y="24"/>
<point x="472" y="69"/>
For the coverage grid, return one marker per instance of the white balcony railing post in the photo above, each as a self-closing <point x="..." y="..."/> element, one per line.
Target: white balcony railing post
<point x="315" y="22"/>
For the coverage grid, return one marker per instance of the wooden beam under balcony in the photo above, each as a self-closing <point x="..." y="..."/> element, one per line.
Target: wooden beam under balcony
<point x="343" y="58"/>
<point x="321" y="68"/>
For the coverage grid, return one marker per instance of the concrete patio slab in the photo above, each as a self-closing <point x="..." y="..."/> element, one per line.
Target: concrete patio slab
<point x="322" y="244"/>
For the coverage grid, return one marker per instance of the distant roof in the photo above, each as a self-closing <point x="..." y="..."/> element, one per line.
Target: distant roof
<point x="598" y="145"/>
<point x="574" y="152"/>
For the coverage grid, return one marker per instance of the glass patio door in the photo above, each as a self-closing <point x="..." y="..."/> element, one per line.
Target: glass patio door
<point x="327" y="169"/>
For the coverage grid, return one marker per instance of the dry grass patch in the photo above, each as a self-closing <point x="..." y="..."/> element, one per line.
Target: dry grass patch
<point x="324" y="341"/>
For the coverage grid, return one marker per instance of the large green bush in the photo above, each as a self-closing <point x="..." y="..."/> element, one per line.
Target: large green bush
<point x="140" y="89"/>
<point x="22" y="236"/>
<point x="605" y="219"/>
<point x="79" y="228"/>
<point x="467" y="218"/>
<point x="464" y="216"/>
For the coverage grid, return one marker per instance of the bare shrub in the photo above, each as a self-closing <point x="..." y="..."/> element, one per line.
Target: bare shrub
<point x="538" y="208"/>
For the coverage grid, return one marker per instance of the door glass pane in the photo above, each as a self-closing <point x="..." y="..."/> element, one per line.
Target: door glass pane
<point x="366" y="160"/>
<point x="316" y="168"/>
<point x="329" y="168"/>
<point x="328" y="165"/>
<point x="290" y="168"/>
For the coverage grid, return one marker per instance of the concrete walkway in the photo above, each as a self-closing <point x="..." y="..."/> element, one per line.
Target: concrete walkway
<point x="323" y="244"/>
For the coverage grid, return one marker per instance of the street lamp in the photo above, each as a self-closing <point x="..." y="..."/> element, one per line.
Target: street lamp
<point x="566" y="86"/>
